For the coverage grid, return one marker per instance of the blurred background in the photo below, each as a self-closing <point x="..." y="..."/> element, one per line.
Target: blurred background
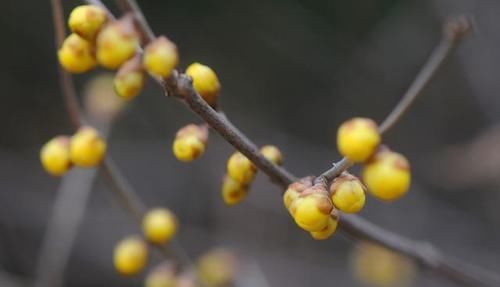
<point x="291" y="72"/>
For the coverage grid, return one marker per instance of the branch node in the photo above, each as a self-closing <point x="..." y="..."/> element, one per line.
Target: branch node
<point x="457" y="28"/>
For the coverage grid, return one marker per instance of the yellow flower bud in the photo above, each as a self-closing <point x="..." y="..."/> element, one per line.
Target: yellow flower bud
<point x="233" y="192"/>
<point x="326" y="232"/>
<point x="87" y="148"/>
<point x="216" y="268"/>
<point x="312" y="209"/>
<point x="76" y="54"/>
<point x="272" y="153"/>
<point x="387" y="175"/>
<point x="129" y="79"/>
<point x="188" y="148"/>
<point x="199" y="131"/>
<point x="160" y="57"/>
<point x="159" y="225"/>
<point x="241" y="168"/>
<point x="205" y="82"/>
<point x="295" y="189"/>
<point x="348" y="193"/>
<point x="54" y="156"/>
<point x="357" y="139"/>
<point x="87" y="20"/>
<point x="377" y="266"/>
<point x="130" y="256"/>
<point x="116" y="43"/>
<point x="162" y="275"/>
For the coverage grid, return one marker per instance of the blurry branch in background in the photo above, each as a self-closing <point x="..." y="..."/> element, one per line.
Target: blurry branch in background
<point x="66" y="217"/>
<point x="10" y="280"/>
<point x="180" y="86"/>
<point x="73" y="193"/>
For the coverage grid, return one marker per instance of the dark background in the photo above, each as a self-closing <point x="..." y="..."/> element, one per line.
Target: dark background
<point x="291" y="72"/>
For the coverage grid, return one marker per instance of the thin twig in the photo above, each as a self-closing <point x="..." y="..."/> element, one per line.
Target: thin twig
<point x="65" y="80"/>
<point x="452" y="34"/>
<point x="180" y="86"/>
<point x="132" y="6"/>
<point x="72" y="195"/>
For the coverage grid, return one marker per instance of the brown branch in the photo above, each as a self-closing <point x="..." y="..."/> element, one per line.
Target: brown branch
<point x="180" y="86"/>
<point x="453" y="32"/>
<point x="65" y="80"/>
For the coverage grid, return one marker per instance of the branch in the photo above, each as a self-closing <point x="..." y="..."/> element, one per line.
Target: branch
<point x="65" y="80"/>
<point x="180" y="86"/>
<point x="453" y="33"/>
<point x="120" y="186"/>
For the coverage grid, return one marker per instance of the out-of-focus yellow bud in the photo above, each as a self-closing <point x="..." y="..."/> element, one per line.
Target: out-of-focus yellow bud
<point x="217" y="268"/>
<point x="295" y="189"/>
<point x="186" y="279"/>
<point x="379" y="267"/>
<point x="312" y="209"/>
<point x="200" y="131"/>
<point x="159" y="225"/>
<point x="233" y="192"/>
<point x="205" y="82"/>
<point x="117" y="42"/>
<point x="130" y="256"/>
<point x="272" y="153"/>
<point x="188" y="148"/>
<point x="328" y="231"/>
<point x="387" y="175"/>
<point x="99" y="98"/>
<point x="160" y="57"/>
<point x="54" y="156"/>
<point x="129" y="79"/>
<point x="162" y="275"/>
<point x="348" y="193"/>
<point x="87" y="20"/>
<point x="241" y="168"/>
<point x="190" y="142"/>
<point x="87" y="148"/>
<point x="357" y="139"/>
<point x="76" y="54"/>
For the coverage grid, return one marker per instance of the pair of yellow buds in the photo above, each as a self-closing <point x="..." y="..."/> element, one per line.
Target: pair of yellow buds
<point x="130" y="256"/>
<point x="96" y="39"/>
<point x="386" y="173"/>
<point x="241" y="172"/>
<point x="86" y="148"/>
<point x="311" y="208"/>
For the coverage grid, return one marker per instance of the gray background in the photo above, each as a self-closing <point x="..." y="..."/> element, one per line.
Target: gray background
<point x="291" y="72"/>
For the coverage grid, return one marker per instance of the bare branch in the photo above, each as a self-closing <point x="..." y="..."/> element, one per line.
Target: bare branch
<point x="65" y="79"/>
<point x="180" y="86"/>
<point x="453" y="33"/>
